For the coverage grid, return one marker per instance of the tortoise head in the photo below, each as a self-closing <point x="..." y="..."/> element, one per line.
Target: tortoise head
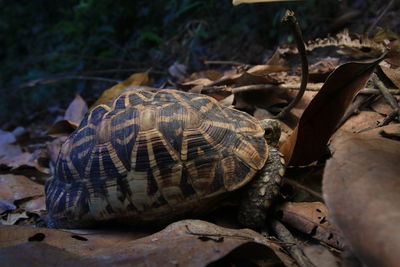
<point x="272" y="130"/>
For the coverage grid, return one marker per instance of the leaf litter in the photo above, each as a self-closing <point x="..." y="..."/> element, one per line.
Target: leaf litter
<point x="359" y="171"/>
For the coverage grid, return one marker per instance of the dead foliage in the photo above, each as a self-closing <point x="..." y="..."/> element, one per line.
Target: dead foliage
<point x="344" y="134"/>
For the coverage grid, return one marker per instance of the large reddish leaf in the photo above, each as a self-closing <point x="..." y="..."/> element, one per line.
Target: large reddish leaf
<point x="362" y="191"/>
<point x="184" y="243"/>
<point x="320" y="119"/>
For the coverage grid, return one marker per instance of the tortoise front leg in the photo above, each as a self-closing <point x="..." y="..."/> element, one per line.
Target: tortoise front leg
<point x="262" y="190"/>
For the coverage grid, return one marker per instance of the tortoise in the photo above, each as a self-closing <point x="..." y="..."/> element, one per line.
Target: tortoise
<point x="153" y="156"/>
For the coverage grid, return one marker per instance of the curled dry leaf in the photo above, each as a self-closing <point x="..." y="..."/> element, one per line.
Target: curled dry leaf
<point x="76" y="110"/>
<point x="319" y="120"/>
<point x="73" y="116"/>
<point x="361" y="188"/>
<point x="310" y="218"/>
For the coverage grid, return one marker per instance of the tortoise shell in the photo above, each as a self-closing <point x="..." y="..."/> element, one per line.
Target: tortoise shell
<point x="153" y="156"/>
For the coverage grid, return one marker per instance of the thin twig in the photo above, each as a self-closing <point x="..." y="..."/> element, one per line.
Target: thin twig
<point x="289" y="17"/>
<point x="355" y="107"/>
<point x="316" y="87"/>
<point x="60" y="78"/>
<point x="302" y="187"/>
<point x="224" y="62"/>
<point x="285" y="236"/>
<point x="388" y="119"/>
<point x="373" y="25"/>
<point x="385" y="93"/>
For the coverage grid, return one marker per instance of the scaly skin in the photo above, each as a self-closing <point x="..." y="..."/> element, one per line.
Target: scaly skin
<point x="263" y="189"/>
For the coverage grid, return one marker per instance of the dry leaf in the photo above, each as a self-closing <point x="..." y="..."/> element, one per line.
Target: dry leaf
<point x="321" y="256"/>
<point x="136" y="79"/>
<point x="310" y="218"/>
<point x="392" y="74"/>
<point x="361" y="188"/>
<point x="319" y="120"/>
<point x="381" y="106"/>
<point x="184" y="243"/>
<point x="76" y="110"/>
<point x="376" y="132"/>
<point x="14" y="162"/>
<point x="362" y="121"/>
<point x="394" y="53"/>
<point x="7" y="147"/>
<point x="62" y="128"/>
<point x="262" y="70"/>
<point x="21" y="186"/>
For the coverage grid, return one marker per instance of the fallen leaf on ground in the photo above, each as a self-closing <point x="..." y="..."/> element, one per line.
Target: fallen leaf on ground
<point x="362" y="121"/>
<point x="321" y="256"/>
<point x="261" y="70"/>
<point x="20" y="187"/>
<point x="311" y="218"/>
<point x="13" y="162"/>
<point x="394" y="53"/>
<point x="136" y="79"/>
<point x="188" y="242"/>
<point x="381" y="106"/>
<point x="7" y="147"/>
<point x="392" y="74"/>
<point x="361" y="188"/>
<point x="318" y="122"/>
<point x="76" y="110"/>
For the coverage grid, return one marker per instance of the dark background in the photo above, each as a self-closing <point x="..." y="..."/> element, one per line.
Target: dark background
<point x="69" y="44"/>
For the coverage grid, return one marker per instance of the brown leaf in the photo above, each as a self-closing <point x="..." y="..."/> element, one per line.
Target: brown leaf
<point x="362" y="121"/>
<point x="361" y="188"/>
<point x="310" y="218"/>
<point x="83" y="244"/>
<point x="136" y="79"/>
<point x="184" y="243"/>
<point x="76" y="110"/>
<point x="62" y="128"/>
<point x="173" y="244"/>
<point x="41" y="254"/>
<point x="21" y="186"/>
<point x="381" y="106"/>
<point x="394" y="53"/>
<point x="392" y="74"/>
<point x="7" y="147"/>
<point x="23" y="159"/>
<point x="376" y="132"/>
<point x="321" y="256"/>
<point x="319" y="120"/>
<point x="261" y="70"/>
